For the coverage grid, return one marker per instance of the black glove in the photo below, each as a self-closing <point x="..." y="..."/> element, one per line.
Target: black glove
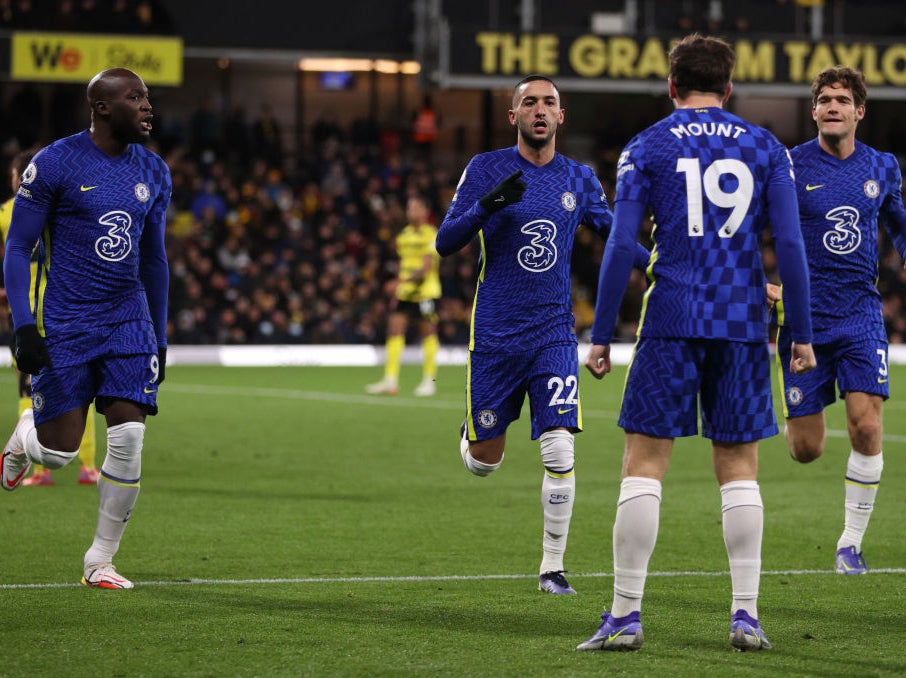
<point x="30" y="352"/>
<point x="161" y="364"/>
<point x="507" y="192"/>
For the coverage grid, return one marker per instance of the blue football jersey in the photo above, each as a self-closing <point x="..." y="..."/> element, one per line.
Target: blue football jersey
<point x="96" y="209"/>
<point x="523" y="298"/>
<point x="706" y="176"/>
<point x="840" y="202"/>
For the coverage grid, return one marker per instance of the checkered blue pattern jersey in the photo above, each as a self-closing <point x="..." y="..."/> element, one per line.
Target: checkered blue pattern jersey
<point x="840" y="204"/>
<point x="523" y="299"/>
<point x="97" y="208"/>
<point x="706" y="175"/>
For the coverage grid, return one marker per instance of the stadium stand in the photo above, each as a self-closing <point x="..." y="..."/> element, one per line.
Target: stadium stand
<point x="298" y="253"/>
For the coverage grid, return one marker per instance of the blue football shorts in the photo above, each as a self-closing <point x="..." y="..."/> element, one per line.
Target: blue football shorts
<point x="850" y="363"/>
<point x="670" y="380"/>
<point x="57" y="390"/>
<point x="497" y="383"/>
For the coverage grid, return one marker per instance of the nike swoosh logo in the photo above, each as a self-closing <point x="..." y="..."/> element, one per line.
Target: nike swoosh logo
<point x="616" y="635"/>
<point x="499" y="199"/>
<point x="149" y="390"/>
<point x="882" y="381"/>
<point x="809" y="187"/>
<point x="562" y="411"/>
<point x="15" y="481"/>
<point x="87" y="188"/>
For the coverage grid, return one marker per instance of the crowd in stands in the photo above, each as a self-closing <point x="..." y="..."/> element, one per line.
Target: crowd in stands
<point x="262" y="254"/>
<point x="259" y="254"/>
<point x="90" y="16"/>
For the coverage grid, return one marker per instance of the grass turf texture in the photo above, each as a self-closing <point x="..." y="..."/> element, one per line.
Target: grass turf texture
<point x="291" y="525"/>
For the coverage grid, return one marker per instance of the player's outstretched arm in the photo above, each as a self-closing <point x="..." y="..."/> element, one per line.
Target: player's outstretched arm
<point x="598" y="360"/>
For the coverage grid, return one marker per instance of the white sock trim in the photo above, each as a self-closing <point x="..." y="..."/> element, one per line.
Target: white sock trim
<point x="740" y="493"/>
<point x="638" y="486"/>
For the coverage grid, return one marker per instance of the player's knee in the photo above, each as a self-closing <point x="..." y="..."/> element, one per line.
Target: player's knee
<point x="482" y="457"/>
<point x="804" y="448"/>
<point x="866" y="437"/>
<point x="124" y="450"/>
<point x="558" y="451"/>
<point x="480" y="468"/>
<point x="805" y="452"/>
<point x="54" y="459"/>
<point x="125" y="440"/>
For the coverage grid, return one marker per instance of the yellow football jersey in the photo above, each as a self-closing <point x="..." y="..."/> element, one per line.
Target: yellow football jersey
<point x="413" y="244"/>
<point x="6" y="217"/>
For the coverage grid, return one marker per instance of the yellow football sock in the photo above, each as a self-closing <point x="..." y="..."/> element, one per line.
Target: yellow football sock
<point x="88" y="446"/>
<point x="395" y="346"/>
<point x="430" y="347"/>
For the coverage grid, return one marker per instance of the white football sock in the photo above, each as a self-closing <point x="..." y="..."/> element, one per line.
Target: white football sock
<point x="634" y="536"/>
<point x="863" y="475"/>
<point x="558" y="489"/>
<point x="118" y="487"/>
<point x="743" y="523"/>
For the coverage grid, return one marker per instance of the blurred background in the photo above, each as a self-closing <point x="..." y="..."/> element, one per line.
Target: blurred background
<point x="296" y="131"/>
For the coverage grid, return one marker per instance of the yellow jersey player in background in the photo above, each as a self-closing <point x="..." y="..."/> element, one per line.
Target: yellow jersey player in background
<point x="417" y="291"/>
<point x="88" y="474"/>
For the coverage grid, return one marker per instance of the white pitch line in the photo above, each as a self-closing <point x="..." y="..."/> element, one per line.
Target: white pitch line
<point x="420" y="579"/>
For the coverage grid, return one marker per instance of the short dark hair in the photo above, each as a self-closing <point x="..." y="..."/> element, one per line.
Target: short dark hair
<point x="851" y="78"/>
<point x="20" y="161"/>
<point x="701" y="63"/>
<point x="532" y="78"/>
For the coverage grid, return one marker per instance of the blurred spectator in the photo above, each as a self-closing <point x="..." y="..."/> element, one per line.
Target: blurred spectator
<point x="7" y="14"/>
<point x="425" y="128"/>
<point x="266" y="137"/>
<point x="204" y="131"/>
<point x="65" y="18"/>
<point x="151" y="19"/>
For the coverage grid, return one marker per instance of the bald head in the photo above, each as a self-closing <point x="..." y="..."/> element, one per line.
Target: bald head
<point x="107" y="84"/>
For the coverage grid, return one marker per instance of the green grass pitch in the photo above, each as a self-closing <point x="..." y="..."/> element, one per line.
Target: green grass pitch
<point x="291" y="525"/>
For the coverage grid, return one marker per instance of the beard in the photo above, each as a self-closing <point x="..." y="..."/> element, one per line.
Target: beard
<point x="536" y="142"/>
<point x="129" y="132"/>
